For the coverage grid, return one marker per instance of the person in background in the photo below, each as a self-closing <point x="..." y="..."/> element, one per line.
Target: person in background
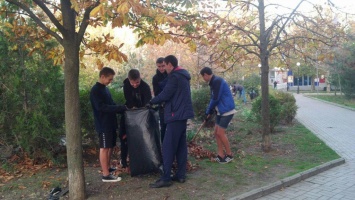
<point x="240" y="89"/>
<point x="222" y="101"/>
<point x="178" y="109"/>
<point x="137" y="94"/>
<point x="159" y="81"/>
<point x="105" y="110"/>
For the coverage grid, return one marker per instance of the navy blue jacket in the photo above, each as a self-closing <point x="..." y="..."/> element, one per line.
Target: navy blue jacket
<point x="221" y="96"/>
<point x="104" y="109"/>
<point x="177" y="96"/>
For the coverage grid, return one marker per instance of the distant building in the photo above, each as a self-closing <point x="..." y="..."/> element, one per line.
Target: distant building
<point x="285" y="77"/>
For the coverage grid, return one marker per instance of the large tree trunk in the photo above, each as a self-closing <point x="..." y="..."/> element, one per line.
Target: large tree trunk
<point x="264" y="57"/>
<point x="72" y="106"/>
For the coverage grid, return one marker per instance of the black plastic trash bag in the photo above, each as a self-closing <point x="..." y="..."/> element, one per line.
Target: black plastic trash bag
<point x="143" y="140"/>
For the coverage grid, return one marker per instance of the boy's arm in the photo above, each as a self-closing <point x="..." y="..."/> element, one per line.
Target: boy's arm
<point x="100" y="105"/>
<point x="168" y="91"/>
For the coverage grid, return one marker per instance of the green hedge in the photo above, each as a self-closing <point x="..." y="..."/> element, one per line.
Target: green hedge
<point x="288" y="106"/>
<point x="275" y="111"/>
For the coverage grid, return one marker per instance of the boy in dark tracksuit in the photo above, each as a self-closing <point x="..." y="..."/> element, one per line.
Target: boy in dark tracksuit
<point x="137" y="94"/>
<point x="105" y="121"/>
<point x="178" y="109"/>
<point x="159" y="82"/>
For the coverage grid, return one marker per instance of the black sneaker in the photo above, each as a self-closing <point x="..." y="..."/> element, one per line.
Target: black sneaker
<point x="228" y="158"/>
<point x="110" y="178"/>
<point x="112" y="169"/>
<point x="220" y="160"/>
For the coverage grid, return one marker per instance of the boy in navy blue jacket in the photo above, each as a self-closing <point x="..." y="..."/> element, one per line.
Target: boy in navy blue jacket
<point x="105" y="110"/>
<point x="178" y="108"/>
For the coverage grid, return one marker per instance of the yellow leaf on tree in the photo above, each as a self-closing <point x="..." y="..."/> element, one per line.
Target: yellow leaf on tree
<point x="124" y="8"/>
<point x="74" y="5"/>
<point x="7" y="24"/>
<point x="96" y="10"/>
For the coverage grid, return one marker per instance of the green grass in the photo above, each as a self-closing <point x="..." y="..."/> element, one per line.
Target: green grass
<point x="310" y="149"/>
<point x="338" y="99"/>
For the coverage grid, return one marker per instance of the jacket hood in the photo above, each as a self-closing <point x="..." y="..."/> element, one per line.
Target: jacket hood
<point x="182" y="72"/>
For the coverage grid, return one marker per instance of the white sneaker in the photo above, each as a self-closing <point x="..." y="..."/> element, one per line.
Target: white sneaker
<point x="111" y="178"/>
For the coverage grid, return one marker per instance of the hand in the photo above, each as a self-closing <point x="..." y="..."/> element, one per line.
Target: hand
<point x="149" y="105"/>
<point x="121" y="109"/>
<point x="207" y="117"/>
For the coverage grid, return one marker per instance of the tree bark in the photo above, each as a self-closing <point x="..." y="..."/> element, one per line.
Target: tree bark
<point x="72" y="105"/>
<point x="264" y="57"/>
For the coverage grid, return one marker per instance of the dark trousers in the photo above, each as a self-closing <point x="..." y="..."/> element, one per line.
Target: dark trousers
<point x="123" y="139"/>
<point x="174" y="146"/>
<point x="162" y="124"/>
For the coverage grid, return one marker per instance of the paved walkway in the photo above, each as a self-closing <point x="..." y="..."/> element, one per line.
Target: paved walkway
<point x="336" y="127"/>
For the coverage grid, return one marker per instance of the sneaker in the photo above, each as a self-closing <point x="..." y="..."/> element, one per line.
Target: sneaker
<point x="228" y="158"/>
<point x="220" y="160"/>
<point x="112" y="169"/>
<point x="110" y="178"/>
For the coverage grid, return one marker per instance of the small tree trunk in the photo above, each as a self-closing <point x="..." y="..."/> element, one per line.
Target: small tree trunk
<point x="72" y="105"/>
<point x="264" y="57"/>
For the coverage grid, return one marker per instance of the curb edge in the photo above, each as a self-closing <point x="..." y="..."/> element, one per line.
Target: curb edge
<point x="286" y="182"/>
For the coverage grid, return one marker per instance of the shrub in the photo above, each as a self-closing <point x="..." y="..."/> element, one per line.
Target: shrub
<point x="200" y="100"/>
<point x="275" y="111"/>
<point x="288" y="106"/>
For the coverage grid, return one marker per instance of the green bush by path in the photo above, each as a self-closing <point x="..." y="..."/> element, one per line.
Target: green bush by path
<point x="288" y="106"/>
<point x="275" y="111"/>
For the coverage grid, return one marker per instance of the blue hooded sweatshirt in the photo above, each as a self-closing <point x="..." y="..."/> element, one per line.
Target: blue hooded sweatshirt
<point x="221" y="96"/>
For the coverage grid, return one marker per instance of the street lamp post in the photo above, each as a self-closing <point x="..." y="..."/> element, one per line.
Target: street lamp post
<point x="298" y="84"/>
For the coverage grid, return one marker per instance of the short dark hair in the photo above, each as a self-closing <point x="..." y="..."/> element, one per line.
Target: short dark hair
<point x="160" y="60"/>
<point x="134" y="74"/>
<point x="206" y="70"/>
<point x="171" y="59"/>
<point x="106" y="71"/>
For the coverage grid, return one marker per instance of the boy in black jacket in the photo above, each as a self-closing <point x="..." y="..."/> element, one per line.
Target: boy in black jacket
<point x="137" y="94"/>
<point x="159" y="82"/>
<point x="105" y="120"/>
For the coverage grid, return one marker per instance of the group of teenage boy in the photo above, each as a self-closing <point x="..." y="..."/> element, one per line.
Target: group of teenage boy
<point x="171" y="89"/>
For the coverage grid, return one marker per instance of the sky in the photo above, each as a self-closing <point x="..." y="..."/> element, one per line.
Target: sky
<point x="344" y="5"/>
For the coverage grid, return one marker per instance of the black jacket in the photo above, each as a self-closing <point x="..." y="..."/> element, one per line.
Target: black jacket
<point x="159" y="81"/>
<point x="104" y="109"/>
<point x="136" y="97"/>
